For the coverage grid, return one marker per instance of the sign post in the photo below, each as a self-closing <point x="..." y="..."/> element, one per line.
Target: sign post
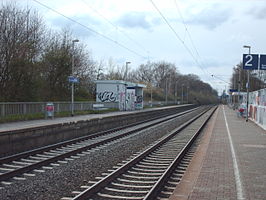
<point x="250" y="62"/>
<point x="73" y="79"/>
<point x="262" y="62"/>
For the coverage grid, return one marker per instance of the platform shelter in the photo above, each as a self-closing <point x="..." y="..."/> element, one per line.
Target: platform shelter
<point x="128" y="95"/>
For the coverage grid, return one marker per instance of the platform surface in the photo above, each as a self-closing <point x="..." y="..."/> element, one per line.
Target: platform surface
<point x="12" y="126"/>
<point x="230" y="162"/>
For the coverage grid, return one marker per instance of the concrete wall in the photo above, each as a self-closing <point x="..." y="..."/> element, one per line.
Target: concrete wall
<point x="139" y="98"/>
<point x="257" y="107"/>
<point x="13" y="142"/>
<point x="112" y="92"/>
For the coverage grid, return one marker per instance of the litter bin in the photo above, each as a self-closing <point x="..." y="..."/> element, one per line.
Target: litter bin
<point x="49" y="110"/>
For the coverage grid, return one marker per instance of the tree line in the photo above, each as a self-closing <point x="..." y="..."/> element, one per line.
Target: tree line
<point x="239" y="79"/>
<point x="36" y="63"/>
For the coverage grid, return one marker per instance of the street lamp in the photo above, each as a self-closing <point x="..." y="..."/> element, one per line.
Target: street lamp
<point x="72" y="73"/>
<point x="187" y="93"/>
<point x="125" y="77"/>
<point x="182" y="94"/>
<point x="151" y="96"/>
<point x="166" y="91"/>
<point x="176" y="92"/>
<point x="238" y="88"/>
<point x="248" y="47"/>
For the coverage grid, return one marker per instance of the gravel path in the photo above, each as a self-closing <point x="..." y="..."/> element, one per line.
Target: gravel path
<point x="62" y="180"/>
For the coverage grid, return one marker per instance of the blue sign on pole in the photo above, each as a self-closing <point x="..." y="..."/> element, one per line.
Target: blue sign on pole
<point x="262" y="62"/>
<point x="73" y="79"/>
<point x="250" y="61"/>
<point x="233" y="90"/>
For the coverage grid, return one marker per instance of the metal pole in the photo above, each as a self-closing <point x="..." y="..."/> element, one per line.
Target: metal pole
<point x="166" y="91"/>
<point x="247" y="96"/>
<point x="72" y="84"/>
<point x="187" y="93"/>
<point x="247" y="90"/>
<point x="72" y="73"/>
<point x="238" y="87"/>
<point x="175" y="92"/>
<point x="125" y="77"/>
<point x="182" y="94"/>
<point x="151" y="96"/>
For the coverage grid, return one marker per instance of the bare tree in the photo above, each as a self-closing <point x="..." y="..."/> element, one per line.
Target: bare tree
<point x="21" y="37"/>
<point x="57" y="67"/>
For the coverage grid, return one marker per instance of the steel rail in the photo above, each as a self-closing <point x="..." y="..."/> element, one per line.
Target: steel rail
<point x="60" y="144"/>
<point x="162" y="181"/>
<point x="88" y="193"/>
<point x="47" y="161"/>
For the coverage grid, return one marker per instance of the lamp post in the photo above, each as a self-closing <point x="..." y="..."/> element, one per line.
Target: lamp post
<point x="166" y="91"/>
<point x="72" y="74"/>
<point x="248" y="47"/>
<point x="182" y="99"/>
<point x="175" y="92"/>
<point x="151" y="96"/>
<point x="187" y="93"/>
<point x="238" y="98"/>
<point x="125" y="77"/>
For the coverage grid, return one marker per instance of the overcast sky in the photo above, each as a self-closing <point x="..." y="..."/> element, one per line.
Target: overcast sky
<point x="206" y="37"/>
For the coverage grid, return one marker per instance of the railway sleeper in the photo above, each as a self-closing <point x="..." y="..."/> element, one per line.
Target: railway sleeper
<point x="127" y="185"/>
<point x="120" y="197"/>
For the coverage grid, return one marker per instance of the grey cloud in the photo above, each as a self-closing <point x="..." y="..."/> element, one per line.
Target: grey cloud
<point x="258" y="13"/>
<point x="210" y="17"/>
<point x="137" y="20"/>
<point x="206" y="63"/>
<point x="77" y="29"/>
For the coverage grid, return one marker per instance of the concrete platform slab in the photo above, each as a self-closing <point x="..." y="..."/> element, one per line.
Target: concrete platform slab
<point x="12" y="126"/>
<point x="229" y="163"/>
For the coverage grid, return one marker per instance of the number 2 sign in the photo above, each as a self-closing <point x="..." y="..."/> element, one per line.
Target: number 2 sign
<point x="250" y="61"/>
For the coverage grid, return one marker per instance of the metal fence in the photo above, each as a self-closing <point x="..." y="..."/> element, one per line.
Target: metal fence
<point x="257" y="107"/>
<point x="159" y="103"/>
<point x="22" y="108"/>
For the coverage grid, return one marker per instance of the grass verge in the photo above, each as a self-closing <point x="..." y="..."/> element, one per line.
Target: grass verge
<point x="25" y="117"/>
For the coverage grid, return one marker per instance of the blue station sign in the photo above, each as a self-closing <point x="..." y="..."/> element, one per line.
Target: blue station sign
<point x="262" y="62"/>
<point x="233" y="90"/>
<point x="73" y="79"/>
<point x="250" y="61"/>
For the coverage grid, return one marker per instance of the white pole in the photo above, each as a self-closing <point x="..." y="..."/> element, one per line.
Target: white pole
<point x="72" y="73"/>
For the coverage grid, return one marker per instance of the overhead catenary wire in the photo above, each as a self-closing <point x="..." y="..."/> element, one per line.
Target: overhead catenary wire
<point x="193" y="44"/>
<point x="186" y="28"/>
<point x="220" y="78"/>
<point x="177" y="36"/>
<point x="116" y="27"/>
<point x="189" y="35"/>
<point x="90" y="29"/>
<point x="183" y="42"/>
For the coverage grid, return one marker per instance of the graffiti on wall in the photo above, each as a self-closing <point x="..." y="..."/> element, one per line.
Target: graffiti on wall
<point x="139" y="99"/>
<point x="107" y="96"/>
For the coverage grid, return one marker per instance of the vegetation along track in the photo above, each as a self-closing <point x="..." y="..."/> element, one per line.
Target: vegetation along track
<point x="151" y="174"/>
<point x="18" y="166"/>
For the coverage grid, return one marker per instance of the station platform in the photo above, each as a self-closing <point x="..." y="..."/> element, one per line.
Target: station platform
<point x="229" y="163"/>
<point x="13" y="126"/>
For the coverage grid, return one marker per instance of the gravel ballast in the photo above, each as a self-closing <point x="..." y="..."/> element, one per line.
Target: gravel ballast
<point x="62" y="180"/>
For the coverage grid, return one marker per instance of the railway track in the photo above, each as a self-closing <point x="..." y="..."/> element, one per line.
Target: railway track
<point x="26" y="164"/>
<point x="152" y="174"/>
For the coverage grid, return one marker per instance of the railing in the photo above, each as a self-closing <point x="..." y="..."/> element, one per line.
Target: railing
<point x="257" y="107"/>
<point x="159" y="103"/>
<point x="23" y="108"/>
